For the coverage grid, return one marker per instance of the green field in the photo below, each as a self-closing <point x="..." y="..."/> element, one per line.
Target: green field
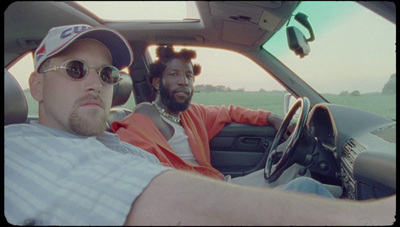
<point x="382" y="104"/>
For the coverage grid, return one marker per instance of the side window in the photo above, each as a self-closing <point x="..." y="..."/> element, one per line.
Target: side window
<point x="230" y="78"/>
<point x="21" y="70"/>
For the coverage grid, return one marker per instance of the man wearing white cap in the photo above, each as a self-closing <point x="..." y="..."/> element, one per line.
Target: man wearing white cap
<point x="49" y="67"/>
<point x="66" y="170"/>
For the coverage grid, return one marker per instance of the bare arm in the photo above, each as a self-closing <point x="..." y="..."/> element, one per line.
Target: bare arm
<point x="179" y="198"/>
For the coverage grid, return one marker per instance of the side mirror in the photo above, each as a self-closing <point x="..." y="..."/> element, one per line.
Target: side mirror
<point x="288" y="102"/>
<point x="296" y="40"/>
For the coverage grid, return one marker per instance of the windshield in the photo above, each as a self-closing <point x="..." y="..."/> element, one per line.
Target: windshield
<point x="352" y="60"/>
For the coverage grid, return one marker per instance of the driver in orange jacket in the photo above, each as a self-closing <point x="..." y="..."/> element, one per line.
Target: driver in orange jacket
<point x="200" y="123"/>
<point x="178" y="132"/>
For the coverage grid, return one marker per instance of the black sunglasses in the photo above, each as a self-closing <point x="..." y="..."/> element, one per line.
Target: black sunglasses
<point x="77" y="70"/>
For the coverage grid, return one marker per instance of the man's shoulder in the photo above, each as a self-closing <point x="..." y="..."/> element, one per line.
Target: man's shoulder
<point x="143" y="113"/>
<point x="145" y="108"/>
<point x="196" y="106"/>
<point x="20" y="130"/>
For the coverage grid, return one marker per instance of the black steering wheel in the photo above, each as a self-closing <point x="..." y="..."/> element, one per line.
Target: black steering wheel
<point x="280" y="154"/>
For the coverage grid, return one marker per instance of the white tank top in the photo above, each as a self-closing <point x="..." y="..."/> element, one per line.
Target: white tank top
<point x="180" y="142"/>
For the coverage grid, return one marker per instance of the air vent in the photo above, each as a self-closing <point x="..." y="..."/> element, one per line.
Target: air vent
<point x="350" y="151"/>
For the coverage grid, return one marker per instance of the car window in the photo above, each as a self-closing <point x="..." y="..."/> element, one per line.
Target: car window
<point x="353" y="57"/>
<point x="230" y="78"/>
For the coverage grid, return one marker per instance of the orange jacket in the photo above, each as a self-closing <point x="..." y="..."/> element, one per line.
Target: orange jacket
<point x="201" y="124"/>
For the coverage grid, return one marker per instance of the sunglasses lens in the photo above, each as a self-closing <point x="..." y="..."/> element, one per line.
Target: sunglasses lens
<point x="76" y="69"/>
<point x="109" y="75"/>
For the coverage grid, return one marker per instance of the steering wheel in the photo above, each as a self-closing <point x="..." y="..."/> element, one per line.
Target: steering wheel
<point x="280" y="153"/>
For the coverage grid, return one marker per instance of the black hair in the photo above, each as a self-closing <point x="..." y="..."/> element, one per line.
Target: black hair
<point x="166" y="54"/>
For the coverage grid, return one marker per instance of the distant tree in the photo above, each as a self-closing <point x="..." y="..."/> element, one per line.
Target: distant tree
<point x="390" y="86"/>
<point x="344" y="93"/>
<point x="262" y="90"/>
<point x="210" y="88"/>
<point x="355" y="93"/>
<point x="221" y="88"/>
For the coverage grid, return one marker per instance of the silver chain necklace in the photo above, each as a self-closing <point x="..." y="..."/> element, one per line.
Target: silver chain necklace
<point x="167" y="115"/>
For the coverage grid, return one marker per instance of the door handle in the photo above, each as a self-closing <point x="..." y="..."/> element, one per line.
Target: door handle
<point x="248" y="142"/>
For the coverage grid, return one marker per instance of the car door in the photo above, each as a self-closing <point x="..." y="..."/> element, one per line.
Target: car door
<point x="239" y="149"/>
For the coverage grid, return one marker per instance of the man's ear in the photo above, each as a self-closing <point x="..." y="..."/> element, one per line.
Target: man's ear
<point x="156" y="83"/>
<point x="36" y="86"/>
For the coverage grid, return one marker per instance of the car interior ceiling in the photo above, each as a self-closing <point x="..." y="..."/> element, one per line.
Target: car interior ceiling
<point x="36" y="25"/>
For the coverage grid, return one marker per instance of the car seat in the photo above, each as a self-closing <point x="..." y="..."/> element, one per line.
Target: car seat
<point x="16" y="106"/>
<point x="122" y="92"/>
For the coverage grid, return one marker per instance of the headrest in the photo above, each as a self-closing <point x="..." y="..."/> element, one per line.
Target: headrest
<point x="122" y="90"/>
<point x="15" y="105"/>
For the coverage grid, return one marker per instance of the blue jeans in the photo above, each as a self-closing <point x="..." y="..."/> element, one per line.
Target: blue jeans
<point x="306" y="185"/>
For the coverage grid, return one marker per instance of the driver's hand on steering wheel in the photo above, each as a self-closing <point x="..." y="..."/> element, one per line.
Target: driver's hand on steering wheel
<point x="289" y="130"/>
<point x="277" y="120"/>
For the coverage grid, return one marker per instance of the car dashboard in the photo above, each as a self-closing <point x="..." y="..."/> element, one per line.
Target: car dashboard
<point x="363" y="146"/>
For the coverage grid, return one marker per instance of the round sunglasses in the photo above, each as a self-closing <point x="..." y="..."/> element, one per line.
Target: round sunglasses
<point x="77" y="70"/>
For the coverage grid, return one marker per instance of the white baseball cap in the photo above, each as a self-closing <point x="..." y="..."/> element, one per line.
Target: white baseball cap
<point x="59" y="38"/>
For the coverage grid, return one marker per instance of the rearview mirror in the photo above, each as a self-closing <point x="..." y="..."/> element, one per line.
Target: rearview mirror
<point x="296" y="40"/>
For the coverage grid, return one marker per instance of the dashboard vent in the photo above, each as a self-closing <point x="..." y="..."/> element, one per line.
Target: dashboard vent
<point x="351" y="149"/>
